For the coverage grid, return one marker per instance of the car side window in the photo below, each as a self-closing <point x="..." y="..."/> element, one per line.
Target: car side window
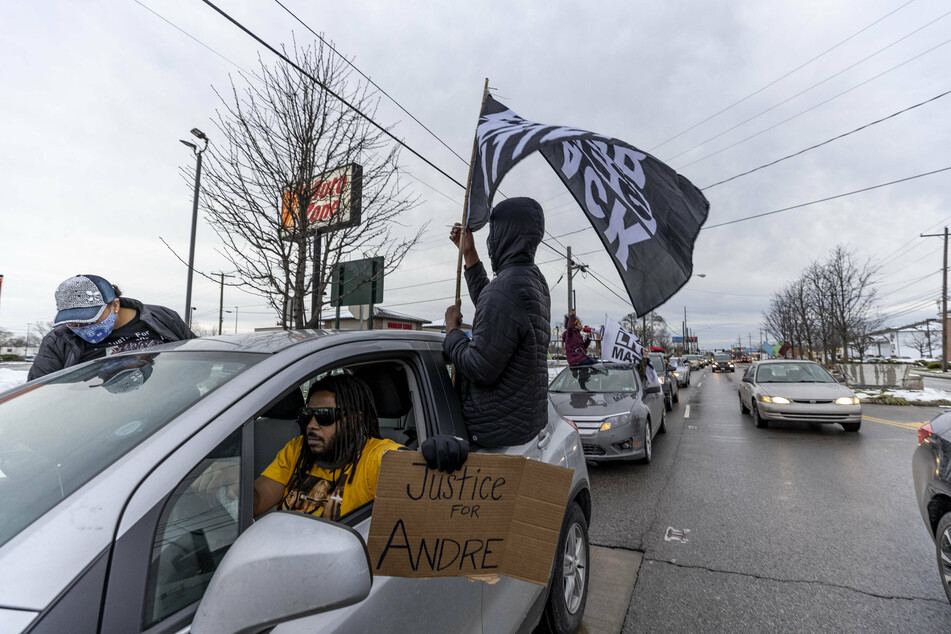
<point x="197" y="526"/>
<point x="749" y="372"/>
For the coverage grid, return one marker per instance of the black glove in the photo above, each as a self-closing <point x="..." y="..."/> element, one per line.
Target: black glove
<point x="444" y="452"/>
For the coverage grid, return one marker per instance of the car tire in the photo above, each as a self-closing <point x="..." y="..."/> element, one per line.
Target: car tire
<point x="676" y="397"/>
<point x="852" y="426"/>
<point x="663" y="423"/>
<point x="649" y="441"/>
<point x="571" y="569"/>
<point x="743" y="408"/>
<point x="759" y="422"/>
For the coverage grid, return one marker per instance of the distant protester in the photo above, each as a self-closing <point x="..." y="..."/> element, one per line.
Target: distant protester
<point x="93" y="321"/>
<point x="576" y="345"/>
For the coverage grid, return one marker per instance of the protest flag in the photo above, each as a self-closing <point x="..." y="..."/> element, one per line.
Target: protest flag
<point x="647" y="216"/>
<point x="619" y="345"/>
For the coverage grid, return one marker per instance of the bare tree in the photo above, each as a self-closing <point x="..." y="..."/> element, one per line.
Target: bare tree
<point x="921" y="341"/>
<point x="279" y="133"/>
<point x="850" y="293"/>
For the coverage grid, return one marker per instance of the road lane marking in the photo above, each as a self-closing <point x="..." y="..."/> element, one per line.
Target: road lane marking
<point x="895" y="423"/>
<point x="687" y="412"/>
<point x="700" y="383"/>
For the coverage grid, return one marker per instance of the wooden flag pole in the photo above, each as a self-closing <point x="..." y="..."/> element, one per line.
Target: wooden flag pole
<point x="465" y="203"/>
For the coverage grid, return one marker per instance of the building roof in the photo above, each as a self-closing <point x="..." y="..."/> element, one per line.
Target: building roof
<point x="378" y="312"/>
<point x="441" y="324"/>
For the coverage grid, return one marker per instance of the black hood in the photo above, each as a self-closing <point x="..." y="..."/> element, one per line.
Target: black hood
<point x="516" y="227"/>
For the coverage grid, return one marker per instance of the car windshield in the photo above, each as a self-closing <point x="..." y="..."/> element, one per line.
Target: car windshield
<point x="793" y="373"/>
<point x="657" y="360"/>
<point x="57" y="434"/>
<point x="597" y="379"/>
<point x="722" y="357"/>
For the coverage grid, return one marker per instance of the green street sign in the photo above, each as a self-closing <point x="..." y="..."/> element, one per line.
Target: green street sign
<point x="357" y="282"/>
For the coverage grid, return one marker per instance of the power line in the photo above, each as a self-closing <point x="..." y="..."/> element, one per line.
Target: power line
<point x="811" y="108"/>
<point x="827" y="141"/>
<point x="804" y="91"/>
<point x="775" y="81"/>
<point x="822" y="200"/>
<point x="303" y="72"/>
<point x="375" y="85"/>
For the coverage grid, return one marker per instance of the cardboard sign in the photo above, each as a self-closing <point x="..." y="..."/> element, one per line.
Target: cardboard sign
<point x="498" y="515"/>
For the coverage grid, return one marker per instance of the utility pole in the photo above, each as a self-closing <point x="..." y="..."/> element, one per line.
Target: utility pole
<point x="221" y="301"/>
<point x="944" y="299"/>
<point x="570" y="296"/>
<point x="928" y="335"/>
<point x="685" y="330"/>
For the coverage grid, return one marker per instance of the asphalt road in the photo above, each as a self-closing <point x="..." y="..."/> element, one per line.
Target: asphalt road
<point x="789" y="528"/>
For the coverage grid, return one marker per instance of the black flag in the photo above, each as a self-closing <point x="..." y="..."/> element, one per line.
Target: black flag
<point x="646" y="214"/>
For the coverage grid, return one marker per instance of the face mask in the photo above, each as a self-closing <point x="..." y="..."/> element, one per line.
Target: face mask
<point x="94" y="333"/>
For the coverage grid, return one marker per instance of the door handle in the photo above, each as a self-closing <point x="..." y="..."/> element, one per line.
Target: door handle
<point x="544" y="438"/>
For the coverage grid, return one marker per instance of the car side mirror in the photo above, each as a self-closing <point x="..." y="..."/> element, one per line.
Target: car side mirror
<point x="251" y="591"/>
<point x="841" y="379"/>
<point x="747" y="379"/>
<point x="652" y="388"/>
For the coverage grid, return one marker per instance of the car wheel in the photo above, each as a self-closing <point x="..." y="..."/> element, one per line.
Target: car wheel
<point x="668" y="403"/>
<point x="743" y="408"/>
<point x="677" y="397"/>
<point x="759" y="422"/>
<point x="852" y="426"/>
<point x="569" y="583"/>
<point x="649" y="441"/>
<point x="663" y="423"/>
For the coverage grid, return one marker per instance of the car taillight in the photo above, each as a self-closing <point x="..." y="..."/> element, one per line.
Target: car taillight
<point x="923" y="432"/>
<point x="572" y="423"/>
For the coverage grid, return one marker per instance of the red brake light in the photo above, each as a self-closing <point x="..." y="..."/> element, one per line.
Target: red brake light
<point x="923" y="432"/>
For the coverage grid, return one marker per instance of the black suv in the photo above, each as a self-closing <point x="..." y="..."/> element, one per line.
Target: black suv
<point x="723" y="363"/>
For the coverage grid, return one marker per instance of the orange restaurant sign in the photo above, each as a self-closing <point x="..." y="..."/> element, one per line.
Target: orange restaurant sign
<point x="335" y="200"/>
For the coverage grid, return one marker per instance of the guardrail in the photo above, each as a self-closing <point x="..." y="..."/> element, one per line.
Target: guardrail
<point x="894" y="375"/>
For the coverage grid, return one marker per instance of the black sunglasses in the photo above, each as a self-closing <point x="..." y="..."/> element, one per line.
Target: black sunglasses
<point x="325" y="416"/>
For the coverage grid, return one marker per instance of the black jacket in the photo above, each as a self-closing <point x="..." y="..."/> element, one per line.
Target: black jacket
<point x="61" y="348"/>
<point x="505" y="363"/>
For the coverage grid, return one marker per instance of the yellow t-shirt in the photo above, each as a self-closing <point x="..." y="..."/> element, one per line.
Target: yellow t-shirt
<point x="327" y="492"/>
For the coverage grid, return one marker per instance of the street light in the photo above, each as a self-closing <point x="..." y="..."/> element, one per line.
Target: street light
<point x="191" y="245"/>
<point x="235" y="311"/>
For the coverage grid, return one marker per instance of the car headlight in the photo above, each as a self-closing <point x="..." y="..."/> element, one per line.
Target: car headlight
<point x="677" y="374"/>
<point x="615" y="421"/>
<point x="779" y="400"/>
<point x="847" y="400"/>
<point x="661" y="379"/>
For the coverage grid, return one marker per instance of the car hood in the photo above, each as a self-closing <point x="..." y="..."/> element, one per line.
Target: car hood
<point x="815" y="391"/>
<point x="592" y="404"/>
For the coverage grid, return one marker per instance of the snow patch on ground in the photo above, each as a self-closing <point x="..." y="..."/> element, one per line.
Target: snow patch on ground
<point x="925" y="395"/>
<point x="11" y="378"/>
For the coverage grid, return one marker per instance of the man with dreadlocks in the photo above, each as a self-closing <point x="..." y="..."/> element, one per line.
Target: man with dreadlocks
<point x="333" y="466"/>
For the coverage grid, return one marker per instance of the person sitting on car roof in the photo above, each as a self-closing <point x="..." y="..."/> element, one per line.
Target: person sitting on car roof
<point x="576" y="346"/>
<point x="333" y="466"/>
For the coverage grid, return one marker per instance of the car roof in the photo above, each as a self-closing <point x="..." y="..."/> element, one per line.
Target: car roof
<point x="274" y="341"/>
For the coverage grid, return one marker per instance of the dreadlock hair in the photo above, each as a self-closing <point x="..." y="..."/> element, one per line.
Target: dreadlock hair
<point x="358" y="423"/>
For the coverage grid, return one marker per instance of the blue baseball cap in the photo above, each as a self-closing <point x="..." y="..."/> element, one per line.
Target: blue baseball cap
<point x="81" y="299"/>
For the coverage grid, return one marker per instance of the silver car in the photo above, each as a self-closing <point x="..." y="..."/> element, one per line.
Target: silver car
<point x="681" y="370"/>
<point x="107" y="523"/>
<point x="616" y="413"/>
<point x="797" y="391"/>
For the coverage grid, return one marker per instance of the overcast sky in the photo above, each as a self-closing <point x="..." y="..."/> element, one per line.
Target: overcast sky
<point x="98" y="94"/>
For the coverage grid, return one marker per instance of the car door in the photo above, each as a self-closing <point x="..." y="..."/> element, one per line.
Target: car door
<point x="654" y="402"/>
<point x="746" y="386"/>
<point x="171" y="538"/>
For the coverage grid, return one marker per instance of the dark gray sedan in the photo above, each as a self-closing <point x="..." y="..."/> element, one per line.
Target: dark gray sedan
<point x="931" y="468"/>
<point x="616" y="413"/>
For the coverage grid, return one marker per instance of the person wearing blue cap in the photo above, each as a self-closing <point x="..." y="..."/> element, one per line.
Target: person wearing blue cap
<point x="94" y="321"/>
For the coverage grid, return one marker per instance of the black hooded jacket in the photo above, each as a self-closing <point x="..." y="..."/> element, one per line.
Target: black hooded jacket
<point x="505" y="362"/>
<point x="61" y="348"/>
